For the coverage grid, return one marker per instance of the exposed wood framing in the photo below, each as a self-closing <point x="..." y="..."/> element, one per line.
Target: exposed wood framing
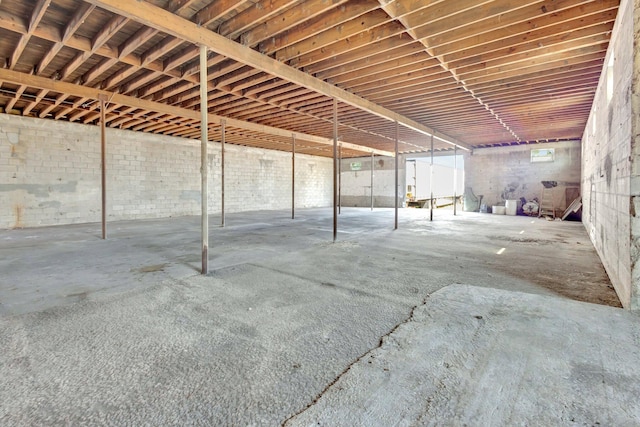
<point x="165" y="21"/>
<point x="26" y="80"/>
<point x="481" y="72"/>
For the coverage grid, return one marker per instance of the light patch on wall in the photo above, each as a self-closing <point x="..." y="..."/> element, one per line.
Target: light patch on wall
<point x="356" y="166"/>
<point x="610" y="78"/>
<point x="543" y="155"/>
<point x="13" y="138"/>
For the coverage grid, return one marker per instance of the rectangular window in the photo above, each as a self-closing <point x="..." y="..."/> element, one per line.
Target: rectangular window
<point x="542" y="155"/>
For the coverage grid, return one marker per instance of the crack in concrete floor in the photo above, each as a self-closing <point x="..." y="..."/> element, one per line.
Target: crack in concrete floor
<point x="261" y="337"/>
<point x="358" y="360"/>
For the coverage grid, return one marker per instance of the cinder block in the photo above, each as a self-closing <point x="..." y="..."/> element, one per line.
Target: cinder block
<point x="168" y="168"/>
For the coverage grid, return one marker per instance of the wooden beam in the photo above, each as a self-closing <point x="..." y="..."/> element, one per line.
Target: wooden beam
<point x="365" y="24"/>
<point x="556" y="47"/>
<point x="119" y="76"/>
<point x="97" y="70"/>
<point x="555" y="11"/>
<point x="382" y="40"/>
<point x="66" y="110"/>
<point x="310" y="29"/>
<point x="259" y="12"/>
<point x="288" y="19"/>
<point x="87" y="93"/>
<point x="163" y="20"/>
<point x="565" y="28"/>
<point x="143" y="80"/>
<point x="112" y="54"/>
<point x="449" y="16"/>
<point x="41" y="93"/>
<point x="575" y="63"/>
<point x="180" y="58"/>
<point x="215" y="11"/>
<point x="16" y="97"/>
<point x="36" y="15"/>
<point x="406" y="54"/>
<point x="112" y="27"/>
<point x="141" y="36"/>
<point x="179" y="5"/>
<point x="76" y="21"/>
<point x="59" y="100"/>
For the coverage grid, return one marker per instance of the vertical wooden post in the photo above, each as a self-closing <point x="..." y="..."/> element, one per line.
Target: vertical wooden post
<point x="204" y="137"/>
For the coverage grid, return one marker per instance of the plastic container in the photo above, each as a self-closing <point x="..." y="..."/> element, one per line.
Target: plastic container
<point x="511" y="207"/>
<point x="498" y="210"/>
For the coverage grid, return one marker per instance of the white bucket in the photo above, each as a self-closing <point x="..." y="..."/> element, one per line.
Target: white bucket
<point x="511" y="207"/>
<point x="498" y="210"/>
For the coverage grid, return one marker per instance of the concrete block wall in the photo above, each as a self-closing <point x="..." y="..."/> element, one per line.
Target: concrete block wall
<point x="503" y="173"/>
<point x="607" y="164"/>
<point x="634" y="96"/>
<point x="50" y="174"/>
<point x="356" y="184"/>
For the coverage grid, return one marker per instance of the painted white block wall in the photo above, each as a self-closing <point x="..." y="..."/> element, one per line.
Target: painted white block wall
<point x="634" y="95"/>
<point x="356" y="183"/>
<point x="50" y="174"/>
<point x="503" y="173"/>
<point x="610" y="170"/>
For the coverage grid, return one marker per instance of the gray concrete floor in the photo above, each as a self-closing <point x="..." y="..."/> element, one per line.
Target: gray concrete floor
<point x="125" y="331"/>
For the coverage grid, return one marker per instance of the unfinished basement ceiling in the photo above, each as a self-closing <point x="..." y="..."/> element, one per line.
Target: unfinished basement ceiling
<point x="474" y="73"/>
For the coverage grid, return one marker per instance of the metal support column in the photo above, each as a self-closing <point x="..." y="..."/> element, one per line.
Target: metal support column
<point x="340" y="178"/>
<point x="371" y="180"/>
<point x="395" y="223"/>
<point x="203" y="159"/>
<point x="293" y="176"/>
<point x="455" y="179"/>
<point x="431" y="183"/>
<point x="103" y="161"/>
<point x="222" y="144"/>
<point x="335" y="169"/>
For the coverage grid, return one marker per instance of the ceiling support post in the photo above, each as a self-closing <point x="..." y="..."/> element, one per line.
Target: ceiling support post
<point x="455" y="179"/>
<point x="293" y="176"/>
<point x="340" y="179"/>
<point x="203" y="159"/>
<point x="395" y="222"/>
<point x="431" y="183"/>
<point x="222" y="144"/>
<point x="103" y="161"/>
<point x="372" y="181"/>
<point x="335" y="169"/>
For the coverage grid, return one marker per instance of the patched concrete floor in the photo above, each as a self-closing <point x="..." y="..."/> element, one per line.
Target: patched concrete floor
<point x="517" y="359"/>
<point x="424" y="325"/>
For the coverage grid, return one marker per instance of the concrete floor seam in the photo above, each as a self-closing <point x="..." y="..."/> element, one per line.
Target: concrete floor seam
<point x="382" y="341"/>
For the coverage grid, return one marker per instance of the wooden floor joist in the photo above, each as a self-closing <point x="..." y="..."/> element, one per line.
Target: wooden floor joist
<point x="477" y="71"/>
<point x="170" y="23"/>
<point x="29" y="80"/>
